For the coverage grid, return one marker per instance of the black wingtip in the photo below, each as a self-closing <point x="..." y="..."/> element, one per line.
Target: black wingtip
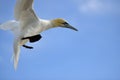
<point x="29" y="47"/>
<point x="33" y="39"/>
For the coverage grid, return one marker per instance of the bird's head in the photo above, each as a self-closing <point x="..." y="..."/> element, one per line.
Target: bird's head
<point x="62" y="23"/>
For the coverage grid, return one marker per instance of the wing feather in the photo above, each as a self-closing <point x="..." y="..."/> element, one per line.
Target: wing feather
<point x="24" y="10"/>
<point x="11" y="25"/>
<point x="16" y="53"/>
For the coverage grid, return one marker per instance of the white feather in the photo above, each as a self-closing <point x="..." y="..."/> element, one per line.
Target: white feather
<point x="16" y="52"/>
<point x="21" y="7"/>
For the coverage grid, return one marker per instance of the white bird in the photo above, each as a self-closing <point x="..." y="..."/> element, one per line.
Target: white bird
<point x="27" y="26"/>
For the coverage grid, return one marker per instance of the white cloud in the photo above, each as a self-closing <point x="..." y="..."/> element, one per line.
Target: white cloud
<point x="98" y="6"/>
<point x="93" y="6"/>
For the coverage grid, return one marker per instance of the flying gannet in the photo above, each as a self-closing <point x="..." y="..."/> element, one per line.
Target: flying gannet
<point x="27" y="26"/>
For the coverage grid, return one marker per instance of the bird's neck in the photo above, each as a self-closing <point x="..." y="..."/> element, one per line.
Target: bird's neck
<point x="48" y="24"/>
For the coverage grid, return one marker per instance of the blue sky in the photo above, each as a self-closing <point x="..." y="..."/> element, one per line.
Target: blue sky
<point x="92" y="53"/>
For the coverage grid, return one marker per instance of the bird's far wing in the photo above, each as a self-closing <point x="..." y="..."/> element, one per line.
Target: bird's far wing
<point x="9" y="25"/>
<point x="16" y="53"/>
<point x="24" y="11"/>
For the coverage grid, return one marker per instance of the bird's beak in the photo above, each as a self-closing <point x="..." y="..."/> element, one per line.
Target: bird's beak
<point x="71" y="27"/>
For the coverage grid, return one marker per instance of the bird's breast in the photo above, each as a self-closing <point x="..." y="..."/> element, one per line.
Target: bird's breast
<point x="33" y="30"/>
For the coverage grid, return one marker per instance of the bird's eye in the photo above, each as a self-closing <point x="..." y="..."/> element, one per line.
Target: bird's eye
<point x="65" y="23"/>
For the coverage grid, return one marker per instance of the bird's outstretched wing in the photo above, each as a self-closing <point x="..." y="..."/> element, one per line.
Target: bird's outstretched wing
<point x="16" y="53"/>
<point x="10" y="25"/>
<point x="24" y="11"/>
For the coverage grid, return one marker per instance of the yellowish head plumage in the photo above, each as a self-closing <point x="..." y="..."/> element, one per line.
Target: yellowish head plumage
<point x="58" y="22"/>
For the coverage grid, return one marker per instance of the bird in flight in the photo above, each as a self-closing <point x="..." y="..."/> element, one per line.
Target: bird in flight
<point x="27" y="26"/>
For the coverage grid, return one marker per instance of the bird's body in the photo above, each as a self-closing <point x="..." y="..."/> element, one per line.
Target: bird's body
<point x="27" y="25"/>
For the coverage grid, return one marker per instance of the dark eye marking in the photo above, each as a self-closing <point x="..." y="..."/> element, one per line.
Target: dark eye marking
<point x="65" y="23"/>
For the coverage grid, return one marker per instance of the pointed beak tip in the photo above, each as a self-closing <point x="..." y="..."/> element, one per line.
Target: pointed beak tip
<point x="76" y="29"/>
<point x="73" y="28"/>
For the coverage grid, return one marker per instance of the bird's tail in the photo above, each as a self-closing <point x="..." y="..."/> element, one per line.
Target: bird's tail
<point x="10" y="25"/>
<point x="16" y="53"/>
